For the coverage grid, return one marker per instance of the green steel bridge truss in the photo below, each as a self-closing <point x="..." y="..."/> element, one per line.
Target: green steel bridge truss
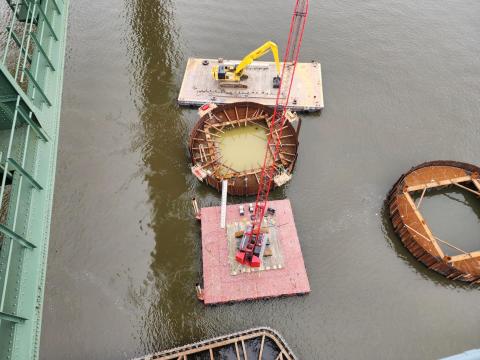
<point x="31" y="77"/>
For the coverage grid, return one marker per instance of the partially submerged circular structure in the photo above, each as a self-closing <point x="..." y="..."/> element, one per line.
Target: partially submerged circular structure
<point x="229" y="142"/>
<point x="411" y="227"/>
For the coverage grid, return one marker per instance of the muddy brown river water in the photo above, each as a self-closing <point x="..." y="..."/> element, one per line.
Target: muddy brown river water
<point x="402" y="86"/>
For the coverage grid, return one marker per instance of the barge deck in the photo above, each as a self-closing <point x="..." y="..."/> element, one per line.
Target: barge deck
<point x="199" y="87"/>
<point x="222" y="286"/>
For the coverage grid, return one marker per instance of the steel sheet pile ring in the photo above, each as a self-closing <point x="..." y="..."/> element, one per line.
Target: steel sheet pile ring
<point x="414" y="232"/>
<point x="229" y="143"/>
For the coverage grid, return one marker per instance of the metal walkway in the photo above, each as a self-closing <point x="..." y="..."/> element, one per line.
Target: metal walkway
<point x="31" y="77"/>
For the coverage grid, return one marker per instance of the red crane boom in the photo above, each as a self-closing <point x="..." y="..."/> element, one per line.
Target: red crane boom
<point x="247" y="254"/>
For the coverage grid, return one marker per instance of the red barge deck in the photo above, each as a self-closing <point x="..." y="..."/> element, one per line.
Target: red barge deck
<point x="220" y="286"/>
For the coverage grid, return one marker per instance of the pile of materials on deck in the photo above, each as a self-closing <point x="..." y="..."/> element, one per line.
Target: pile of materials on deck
<point x="270" y="252"/>
<point x="414" y="232"/>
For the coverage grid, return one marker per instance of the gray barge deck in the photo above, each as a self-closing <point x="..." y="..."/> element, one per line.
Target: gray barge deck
<point x="199" y="87"/>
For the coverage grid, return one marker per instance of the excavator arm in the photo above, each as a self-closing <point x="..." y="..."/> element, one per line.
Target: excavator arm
<point x="257" y="53"/>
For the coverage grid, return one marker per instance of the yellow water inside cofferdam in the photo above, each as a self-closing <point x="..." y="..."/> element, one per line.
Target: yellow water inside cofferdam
<point x="242" y="148"/>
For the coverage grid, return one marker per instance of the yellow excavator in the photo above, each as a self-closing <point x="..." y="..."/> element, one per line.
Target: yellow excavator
<point x="230" y="75"/>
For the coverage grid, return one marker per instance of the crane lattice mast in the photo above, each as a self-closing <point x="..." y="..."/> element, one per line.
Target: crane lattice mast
<point x="276" y="125"/>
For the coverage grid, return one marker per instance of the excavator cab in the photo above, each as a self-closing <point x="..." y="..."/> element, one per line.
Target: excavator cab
<point x="225" y="72"/>
<point x="221" y="73"/>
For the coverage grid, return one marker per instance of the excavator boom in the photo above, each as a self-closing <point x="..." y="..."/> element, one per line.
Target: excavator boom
<point x="257" y="53"/>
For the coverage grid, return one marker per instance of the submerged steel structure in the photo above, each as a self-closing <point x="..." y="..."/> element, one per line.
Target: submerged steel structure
<point x="31" y="77"/>
<point x="257" y="343"/>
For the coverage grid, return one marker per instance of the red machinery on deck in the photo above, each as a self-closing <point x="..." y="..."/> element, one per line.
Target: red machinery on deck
<point x="248" y="253"/>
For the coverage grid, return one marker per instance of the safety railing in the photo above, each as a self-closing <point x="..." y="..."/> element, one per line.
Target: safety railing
<point x="31" y="76"/>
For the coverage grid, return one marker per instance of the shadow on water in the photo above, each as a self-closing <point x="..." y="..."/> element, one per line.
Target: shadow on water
<point x="395" y="243"/>
<point x="170" y="313"/>
<point x="468" y="199"/>
<point x="462" y="226"/>
<point x="166" y="299"/>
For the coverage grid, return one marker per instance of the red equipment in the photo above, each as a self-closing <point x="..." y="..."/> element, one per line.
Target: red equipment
<point x="248" y="255"/>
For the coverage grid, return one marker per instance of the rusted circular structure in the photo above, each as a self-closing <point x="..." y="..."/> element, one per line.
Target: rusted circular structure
<point x="229" y="143"/>
<point x="414" y="232"/>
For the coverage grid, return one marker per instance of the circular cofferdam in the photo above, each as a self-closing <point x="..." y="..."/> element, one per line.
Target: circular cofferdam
<point x="229" y="142"/>
<point x="411" y="227"/>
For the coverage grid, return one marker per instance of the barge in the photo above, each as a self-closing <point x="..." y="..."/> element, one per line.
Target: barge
<point x="199" y="87"/>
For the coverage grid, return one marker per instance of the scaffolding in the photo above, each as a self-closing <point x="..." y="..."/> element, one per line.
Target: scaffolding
<point x="31" y="77"/>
